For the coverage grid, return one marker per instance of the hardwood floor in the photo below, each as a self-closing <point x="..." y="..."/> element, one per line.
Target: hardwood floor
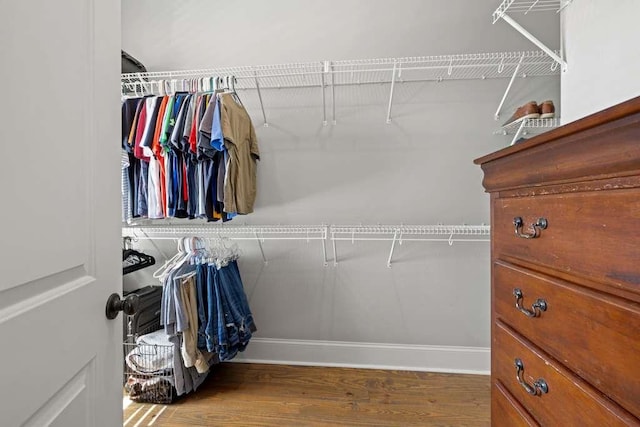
<point x="237" y="394"/>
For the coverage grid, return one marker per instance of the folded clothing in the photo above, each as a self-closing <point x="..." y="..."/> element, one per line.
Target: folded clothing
<point x="152" y="355"/>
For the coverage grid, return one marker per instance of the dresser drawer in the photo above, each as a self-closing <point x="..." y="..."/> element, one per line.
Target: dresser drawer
<point x="506" y="411"/>
<point x="568" y="401"/>
<point x="595" y="335"/>
<point x="591" y="235"/>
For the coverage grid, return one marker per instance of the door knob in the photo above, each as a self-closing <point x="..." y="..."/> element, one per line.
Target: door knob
<point x="129" y="305"/>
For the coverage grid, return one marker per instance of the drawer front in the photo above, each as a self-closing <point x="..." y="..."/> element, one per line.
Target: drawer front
<point x="593" y="235"/>
<point x="568" y="400"/>
<point x="594" y="335"/>
<point x="506" y="411"/>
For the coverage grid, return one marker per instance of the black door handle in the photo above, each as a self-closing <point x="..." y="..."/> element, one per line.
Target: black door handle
<point x="129" y="305"/>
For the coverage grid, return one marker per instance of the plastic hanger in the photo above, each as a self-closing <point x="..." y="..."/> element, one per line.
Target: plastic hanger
<point x="133" y="260"/>
<point x="168" y="264"/>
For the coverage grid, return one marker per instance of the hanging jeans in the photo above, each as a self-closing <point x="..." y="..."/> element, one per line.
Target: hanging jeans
<point x="203" y="305"/>
<point x="238" y="305"/>
<point x="215" y="334"/>
<point x="230" y="322"/>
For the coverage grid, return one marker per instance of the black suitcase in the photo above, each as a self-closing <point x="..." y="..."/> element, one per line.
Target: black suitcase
<point x="147" y="318"/>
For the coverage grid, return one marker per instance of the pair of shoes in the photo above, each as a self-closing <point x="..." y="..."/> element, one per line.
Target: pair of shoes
<point x="532" y="110"/>
<point x="547" y="110"/>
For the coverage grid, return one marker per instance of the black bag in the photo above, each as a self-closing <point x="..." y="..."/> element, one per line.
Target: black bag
<point x="147" y="318"/>
<point x="131" y="64"/>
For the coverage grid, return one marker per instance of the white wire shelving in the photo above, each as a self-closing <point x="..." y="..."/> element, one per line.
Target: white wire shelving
<point x="528" y="6"/>
<point x="327" y="75"/>
<point x="400" y="233"/>
<point x="259" y="233"/>
<point x="527" y="126"/>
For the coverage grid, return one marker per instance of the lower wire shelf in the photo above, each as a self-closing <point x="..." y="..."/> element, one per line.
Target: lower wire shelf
<point x="260" y="233"/>
<point x="519" y="128"/>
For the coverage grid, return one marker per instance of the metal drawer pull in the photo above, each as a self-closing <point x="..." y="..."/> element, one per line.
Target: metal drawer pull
<point x="536" y="308"/>
<point x="541" y="224"/>
<point x="539" y="386"/>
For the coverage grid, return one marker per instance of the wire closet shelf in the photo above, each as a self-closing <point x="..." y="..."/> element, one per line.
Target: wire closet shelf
<point x="400" y="233"/>
<point x="258" y="233"/>
<point x="527" y="6"/>
<point x="332" y="74"/>
<point x="352" y="72"/>
<point x="527" y="126"/>
<point x="353" y="233"/>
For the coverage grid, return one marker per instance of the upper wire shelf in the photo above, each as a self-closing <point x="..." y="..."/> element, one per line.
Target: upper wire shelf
<point x="334" y="74"/>
<point x="526" y="6"/>
<point x="350" y="72"/>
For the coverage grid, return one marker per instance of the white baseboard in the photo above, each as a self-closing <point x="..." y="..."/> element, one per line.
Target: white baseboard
<point x="466" y="360"/>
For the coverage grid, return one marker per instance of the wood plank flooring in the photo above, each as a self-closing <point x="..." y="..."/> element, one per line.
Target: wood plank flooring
<point x="237" y="394"/>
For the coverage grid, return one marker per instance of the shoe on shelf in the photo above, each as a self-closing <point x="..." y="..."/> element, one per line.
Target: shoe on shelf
<point x="529" y="110"/>
<point x="547" y="110"/>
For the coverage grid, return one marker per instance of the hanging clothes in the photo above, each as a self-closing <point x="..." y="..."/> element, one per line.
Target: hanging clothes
<point x="242" y="147"/>
<point x="204" y="311"/>
<point x="190" y="155"/>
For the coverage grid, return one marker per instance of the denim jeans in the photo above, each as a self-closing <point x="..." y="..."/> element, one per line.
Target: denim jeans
<point x="238" y="305"/>
<point x="229" y="322"/>
<point x="215" y="317"/>
<point x="201" y="288"/>
<point x="228" y="349"/>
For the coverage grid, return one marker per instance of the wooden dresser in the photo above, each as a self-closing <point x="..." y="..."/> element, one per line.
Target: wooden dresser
<point x="565" y="254"/>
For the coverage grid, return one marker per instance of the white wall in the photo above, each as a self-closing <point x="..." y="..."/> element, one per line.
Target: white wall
<point x="603" y="55"/>
<point x="417" y="170"/>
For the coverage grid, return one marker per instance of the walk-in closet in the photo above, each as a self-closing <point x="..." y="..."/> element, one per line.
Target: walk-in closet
<point x="338" y="213"/>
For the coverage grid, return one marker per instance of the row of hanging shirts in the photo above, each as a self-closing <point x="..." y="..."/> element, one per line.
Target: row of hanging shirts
<point x="189" y="154"/>
<point x="205" y="312"/>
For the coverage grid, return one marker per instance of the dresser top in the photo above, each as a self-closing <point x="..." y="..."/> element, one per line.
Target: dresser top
<point x="601" y="146"/>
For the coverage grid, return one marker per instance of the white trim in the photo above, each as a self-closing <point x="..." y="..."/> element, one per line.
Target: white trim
<point x="429" y="358"/>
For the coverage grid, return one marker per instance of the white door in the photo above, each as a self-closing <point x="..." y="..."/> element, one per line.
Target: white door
<point x="59" y="213"/>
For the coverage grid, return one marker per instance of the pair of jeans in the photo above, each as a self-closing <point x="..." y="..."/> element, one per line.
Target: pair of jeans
<point x="201" y="288"/>
<point x="237" y="300"/>
<point x="214" y="334"/>
<point x="230" y="322"/>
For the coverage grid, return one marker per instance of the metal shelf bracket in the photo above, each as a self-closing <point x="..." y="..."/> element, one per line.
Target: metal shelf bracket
<point x="526" y="6"/>
<point x="535" y="41"/>
<point x="506" y="92"/>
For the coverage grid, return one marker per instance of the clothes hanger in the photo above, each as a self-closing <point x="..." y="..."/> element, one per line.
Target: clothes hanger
<point x="135" y="261"/>
<point x="168" y="264"/>
<point x="223" y="251"/>
<point x="232" y="89"/>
